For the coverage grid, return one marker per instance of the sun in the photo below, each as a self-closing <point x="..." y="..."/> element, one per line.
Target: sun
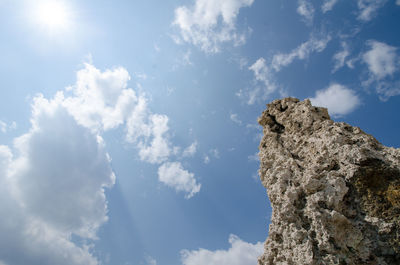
<point x="55" y="15"/>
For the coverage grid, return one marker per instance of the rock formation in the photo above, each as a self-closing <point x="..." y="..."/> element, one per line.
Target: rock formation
<point x="334" y="190"/>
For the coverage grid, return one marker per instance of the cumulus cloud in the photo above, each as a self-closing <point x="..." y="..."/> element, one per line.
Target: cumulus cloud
<point x="340" y="57"/>
<point x="210" y="23"/>
<point x="53" y="181"/>
<point x="64" y="161"/>
<point x="339" y="99"/>
<point x="369" y="8"/>
<point x="306" y="10"/>
<point x="102" y="101"/>
<point x="328" y="5"/>
<point x="240" y="253"/>
<point x="301" y="52"/>
<point x="173" y="175"/>
<point x="52" y="188"/>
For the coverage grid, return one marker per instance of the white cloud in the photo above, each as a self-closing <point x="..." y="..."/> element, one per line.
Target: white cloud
<point x="383" y="65"/>
<point x="328" y="5"/>
<point x="173" y="175"/>
<point x="53" y="163"/>
<point x="263" y="74"/>
<point x="4" y="127"/>
<point x="301" y="52"/>
<point x="101" y="100"/>
<point x="240" y="253"/>
<point x="255" y="157"/>
<point x="52" y="189"/>
<point x="151" y="261"/>
<point x="388" y="89"/>
<point x="368" y="8"/>
<point x="340" y="57"/>
<point x="159" y="148"/>
<point x="234" y="117"/>
<point x="211" y="153"/>
<point x="339" y="99"/>
<point x="215" y="153"/>
<point x="381" y="59"/>
<point x="306" y="9"/>
<point x="190" y="150"/>
<point x="210" y="23"/>
<point x="398" y="2"/>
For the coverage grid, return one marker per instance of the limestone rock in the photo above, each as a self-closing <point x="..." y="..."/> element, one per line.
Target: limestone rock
<point x="334" y="190"/>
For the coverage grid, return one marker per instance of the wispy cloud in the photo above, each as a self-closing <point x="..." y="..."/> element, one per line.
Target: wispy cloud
<point x="306" y="10"/>
<point x="234" y="117"/>
<point x="328" y="5"/>
<point x="190" y="150"/>
<point x="340" y="57"/>
<point x="239" y="253"/>
<point x="369" y="8"/>
<point x="4" y="127"/>
<point x="151" y="260"/>
<point x="383" y="63"/>
<point x="210" y="23"/>
<point x="339" y="99"/>
<point x="264" y="73"/>
<point x="212" y="153"/>
<point x="301" y="52"/>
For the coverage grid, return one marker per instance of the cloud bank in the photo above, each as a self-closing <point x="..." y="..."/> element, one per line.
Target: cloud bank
<point x="51" y="189"/>
<point x="53" y="178"/>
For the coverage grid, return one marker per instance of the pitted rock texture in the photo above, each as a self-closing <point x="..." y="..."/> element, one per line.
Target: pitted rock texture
<point x="334" y="190"/>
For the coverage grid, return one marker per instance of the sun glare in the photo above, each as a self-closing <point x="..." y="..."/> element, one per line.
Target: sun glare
<point x="53" y="15"/>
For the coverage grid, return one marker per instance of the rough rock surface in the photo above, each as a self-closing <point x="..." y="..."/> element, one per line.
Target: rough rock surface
<point x="334" y="190"/>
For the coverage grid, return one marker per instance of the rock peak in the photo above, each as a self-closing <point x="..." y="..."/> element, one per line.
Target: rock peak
<point x="334" y="190"/>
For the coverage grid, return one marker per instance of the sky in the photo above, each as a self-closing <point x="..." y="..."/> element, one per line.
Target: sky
<point x="128" y="129"/>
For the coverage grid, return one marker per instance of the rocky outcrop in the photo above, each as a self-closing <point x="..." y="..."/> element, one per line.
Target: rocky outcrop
<point x="334" y="190"/>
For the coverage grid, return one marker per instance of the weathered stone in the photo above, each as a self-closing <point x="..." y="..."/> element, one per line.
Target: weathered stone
<point x="334" y="190"/>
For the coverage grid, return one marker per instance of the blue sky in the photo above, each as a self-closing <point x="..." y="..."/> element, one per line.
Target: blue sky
<point x="128" y="129"/>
